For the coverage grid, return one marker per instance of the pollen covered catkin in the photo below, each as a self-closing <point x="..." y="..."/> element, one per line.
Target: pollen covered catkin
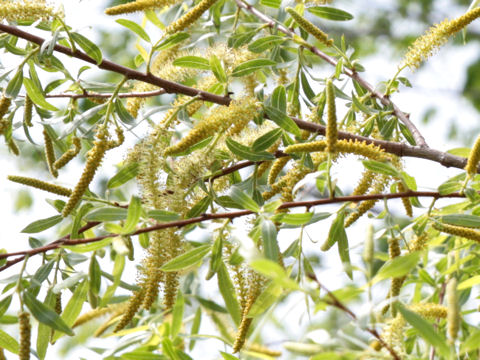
<point x="461" y="231"/>
<point x="25" y="334"/>
<point x="94" y="158"/>
<point x="69" y="154"/>
<point x="309" y="27"/>
<point x="139" y="5"/>
<point x="331" y="132"/>
<point x="5" y="103"/>
<point x="473" y="158"/>
<point x="190" y="17"/>
<point x="453" y="310"/>
<point x="49" y="153"/>
<point x="42" y="185"/>
<point x="27" y="111"/>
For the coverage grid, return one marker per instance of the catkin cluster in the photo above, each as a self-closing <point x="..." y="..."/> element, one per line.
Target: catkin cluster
<point x="24" y="10"/>
<point x="139" y="5"/>
<point x="190" y="17"/>
<point x="309" y="27"/>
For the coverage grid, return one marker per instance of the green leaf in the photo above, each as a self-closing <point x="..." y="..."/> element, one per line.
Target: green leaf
<point x="242" y="199"/>
<point x="330" y="13"/>
<point x="467" y="284"/>
<point x="44" y="331"/>
<point x="197" y="320"/>
<point x="407" y="134"/>
<point x="4" y="304"/>
<point x="467" y="220"/>
<point x="227" y="290"/>
<point x="269" y="236"/>
<point x="463" y="152"/>
<point x="123" y="114"/>
<point x="118" y="267"/>
<point x="397" y="267"/>
<point x="251" y="66"/>
<point x="282" y="120"/>
<point x="381" y="167"/>
<point x="74" y="306"/>
<point x="267" y="298"/>
<point x="172" y="41"/>
<point x="137" y="29"/>
<point x="107" y="214"/>
<point x="177" y="315"/>
<point x="216" y="257"/>
<point x="293" y="219"/>
<point x="425" y="329"/>
<point x="200" y="207"/>
<point x="245" y="152"/>
<point x="36" y="95"/>
<point x="272" y="270"/>
<point x="83" y="248"/>
<point x="14" y="85"/>
<point x="343" y="250"/>
<point x="187" y="259"/>
<point x="360" y="106"/>
<point x="337" y="229"/>
<point x="89" y="47"/>
<point x="227" y="202"/>
<point x="133" y="215"/>
<point x="218" y="69"/>
<point x="263" y="44"/>
<point x="266" y="140"/>
<point x="271" y="3"/>
<point x="42" y="224"/>
<point x="278" y="99"/>
<point x="195" y="62"/>
<point x="8" y="343"/>
<point x="163" y="215"/>
<point x="471" y="343"/>
<point x="45" y="315"/>
<point x="124" y="175"/>
<point x="227" y="356"/>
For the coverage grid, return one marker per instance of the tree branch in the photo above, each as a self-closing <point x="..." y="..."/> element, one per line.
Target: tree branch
<point x="339" y="305"/>
<point x="87" y="95"/>
<point x="419" y="139"/>
<point x="205" y="217"/>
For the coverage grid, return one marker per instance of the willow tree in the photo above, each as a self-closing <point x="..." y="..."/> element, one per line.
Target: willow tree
<point x="203" y="196"/>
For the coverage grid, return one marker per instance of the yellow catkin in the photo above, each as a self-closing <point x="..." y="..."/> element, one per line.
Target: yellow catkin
<point x="380" y="183"/>
<point x="473" y="158"/>
<point x="5" y="103"/>
<point x="58" y="303"/>
<point x="453" y="310"/>
<point x="313" y="146"/>
<point x="131" y="309"/>
<point x="42" y="185"/>
<point x="264" y="166"/>
<point x="397" y="282"/>
<point x="25" y="334"/>
<point x="27" y="10"/>
<point x="69" y="154"/>
<point x="49" y="153"/>
<point x="218" y="121"/>
<point x="263" y="350"/>
<point x="12" y="145"/>
<point x="365" y="182"/>
<point x="94" y="158"/>
<point x="190" y="17"/>
<point x="407" y="204"/>
<point x="331" y="132"/>
<point x="139" y="5"/>
<point x="277" y="167"/>
<point x="27" y="111"/>
<point x="426" y="45"/>
<point x="309" y="27"/>
<point x="4" y="125"/>
<point x="461" y="231"/>
<point x="99" y="312"/>
<point x="361" y="148"/>
<point x="419" y="243"/>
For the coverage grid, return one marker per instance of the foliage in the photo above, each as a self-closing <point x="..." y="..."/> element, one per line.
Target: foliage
<point x="205" y="198"/>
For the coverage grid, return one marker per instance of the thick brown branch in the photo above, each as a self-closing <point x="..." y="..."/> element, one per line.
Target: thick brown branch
<point x="230" y="215"/>
<point x="88" y="95"/>
<point x="352" y="74"/>
<point x="169" y="86"/>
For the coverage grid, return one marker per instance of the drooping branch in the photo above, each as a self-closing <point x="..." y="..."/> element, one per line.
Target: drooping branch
<point x="385" y="100"/>
<point x="213" y="216"/>
<point x="334" y="301"/>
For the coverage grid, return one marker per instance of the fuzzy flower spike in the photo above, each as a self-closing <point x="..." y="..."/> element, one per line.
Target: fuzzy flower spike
<point x="426" y="45"/>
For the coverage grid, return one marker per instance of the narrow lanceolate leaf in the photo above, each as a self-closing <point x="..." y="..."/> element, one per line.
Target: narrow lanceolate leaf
<point x="4" y="304"/>
<point x="425" y="329"/>
<point x="177" y="315"/>
<point x="468" y="283"/>
<point x="218" y="69"/>
<point x="269" y="237"/>
<point x="271" y="3"/>
<point x="195" y="62"/>
<point x="172" y="41"/>
<point x="245" y="152"/>
<point x="265" y="43"/>
<point x="344" y="251"/>
<point x="117" y="272"/>
<point x="42" y="224"/>
<point x="133" y="215"/>
<point x="282" y="120"/>
<point x="74" y="306"/>
<point x="337" y="229"/>
<point x="163" y="215"/>
<point x="266" y="299"/>
<point x="125" y="174"/>
<point x="137" y="29"/>
<point x="14" y="85"/>
<point x="107" y="214"/>
<point x="266" y="140"/>
<point x="197" y="320"/>
<point x="251" y="66"/>
<point x="278" y="100"/>
<point x="227" y="290"/>
<point x="45" y="315"/>
<point x="44" y="331"/>
<point x="187" y="259"/>
<point x="123" y="114"/>
<point x="8" y="343"/>
<point x="89" y="47"/>
<point x="381" y="167"/>
<point x="242" y="199"/>
<point x="330" y="13"/>
<point x="293" y="219"/>
<point x="36" y="95"/>
<point x="467" y="220"/>
<point x="397" y="267"/>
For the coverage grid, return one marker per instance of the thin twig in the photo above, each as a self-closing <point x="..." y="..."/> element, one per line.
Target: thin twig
<point x="419" y="139"/>
<point x="339" y="305"/>
<point x="230" y="215"/>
